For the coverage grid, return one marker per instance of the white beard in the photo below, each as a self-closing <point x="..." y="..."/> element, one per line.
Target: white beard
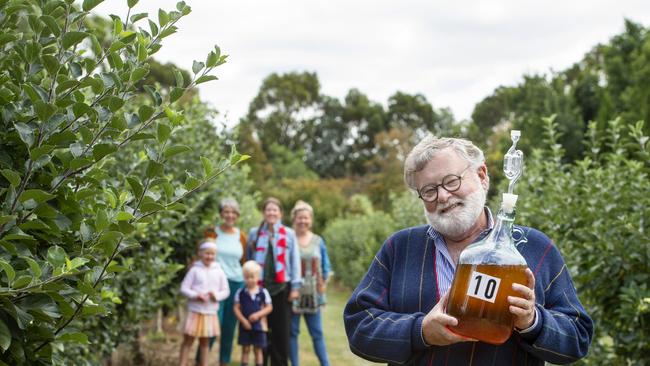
<point x="460" y="219"/>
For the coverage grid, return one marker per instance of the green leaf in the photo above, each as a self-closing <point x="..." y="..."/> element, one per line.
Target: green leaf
<point x="116" y="46"/>
<point x="52" y="24"/>
<point x="131" y="3"/>
<point x="139" y="16"/>
<point x="115" y="103"/>
<point x="117" y="26"/>
<point x="5" y="336"/>
<point x="41" y="162"/>
<point x="56" y="256"/>
<point x="153" y="27"/>
<point x="22" y="281"/>
<point x="95" y="45"/>
<point x="6" y="38"/>
<point x="212" y="59"/>
<point x="205" y="78"/>
<point x="145" y="112"/>
<point x="101" y="150"/>
<point x="142" y="53"/>
<point x="33" y="266"/>
<point x="151" y="206"/>
<point x="84" y="231"/>
<point x="128" y="36"/>
<point x="79" y="163"/>
<point x="73" y="38"/>
<point x="44" y="110"/>
<point x="197" y="66"/>
<point x="191" y="182"/>
<point x="40" y="151"/>
<point x="37" y="195"/>
<point x="207" y="166"/>
<point x="90" y="4"/>
<point x="77" y="262"/>
<point x="168" y="31"/>
<point x="163" y="17"/>
<point x="178" y="75"/>
<point x="157" y="99"/>
<point x="101" y="222"/>
<point x="163" y="132"/>
<point x="175" y="150"/>
<point x="175" y="94"/>
<point x="11" y="176"/>
<point x="154" y="169"/>
<point x="136" y="186"/>
<point x="76" y="337"/>
<point x="6" y="218"/>
<point x="25" y="132"/>
<point x="123" y="216"/>
<point x="9" y="270"/>
<point x="51" y="64"/>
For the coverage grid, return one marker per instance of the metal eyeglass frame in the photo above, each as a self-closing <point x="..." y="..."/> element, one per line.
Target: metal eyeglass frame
<point x="436" y="186"/>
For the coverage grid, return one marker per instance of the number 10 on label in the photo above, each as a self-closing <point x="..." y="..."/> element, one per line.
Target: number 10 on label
<point x="483" y="286"/>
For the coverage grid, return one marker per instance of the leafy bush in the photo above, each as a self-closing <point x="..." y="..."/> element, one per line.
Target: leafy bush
<point x="69" y="105"/>
<point x="352" y="242"/>
<point x="596" y="210"/>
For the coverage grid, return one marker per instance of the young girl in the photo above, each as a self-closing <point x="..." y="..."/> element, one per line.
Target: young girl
<point x="205" y="284"/>
<point x="252" y="305"/>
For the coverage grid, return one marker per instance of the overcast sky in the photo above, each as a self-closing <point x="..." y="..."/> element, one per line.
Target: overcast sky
<point x="455" y="53"/>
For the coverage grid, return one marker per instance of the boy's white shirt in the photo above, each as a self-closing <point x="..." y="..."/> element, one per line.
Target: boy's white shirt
<point x="201" y="279"/>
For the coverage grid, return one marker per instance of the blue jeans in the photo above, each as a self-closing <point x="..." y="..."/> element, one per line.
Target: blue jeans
<point x="315" y="327"/>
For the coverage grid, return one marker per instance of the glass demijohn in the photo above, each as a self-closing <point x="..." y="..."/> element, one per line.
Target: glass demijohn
<point x="486" y="270"/>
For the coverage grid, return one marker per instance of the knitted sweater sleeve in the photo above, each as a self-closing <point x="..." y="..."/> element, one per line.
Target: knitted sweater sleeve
<point x="564" y="330"/>
<point x="374" y="331"/>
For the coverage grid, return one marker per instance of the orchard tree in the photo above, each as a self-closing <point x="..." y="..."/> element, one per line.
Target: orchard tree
<point x="69" y="104"/>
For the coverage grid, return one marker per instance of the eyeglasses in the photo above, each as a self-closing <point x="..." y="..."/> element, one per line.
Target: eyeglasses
<point x="450" y="183"/>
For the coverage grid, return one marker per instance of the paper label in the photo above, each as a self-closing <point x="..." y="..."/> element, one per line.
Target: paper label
<point x="483" y="286"/>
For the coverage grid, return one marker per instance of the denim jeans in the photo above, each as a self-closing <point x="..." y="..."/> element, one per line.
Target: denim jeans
<point x="315" y="327"/>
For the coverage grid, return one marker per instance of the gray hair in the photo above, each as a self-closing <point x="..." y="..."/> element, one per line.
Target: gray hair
<point x="229" y="202"/>
<point x="425" y="150"/>
<point x="301" y="206"/>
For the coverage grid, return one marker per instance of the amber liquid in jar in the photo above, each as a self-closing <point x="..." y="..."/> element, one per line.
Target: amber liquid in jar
<point x="478" y="298"/>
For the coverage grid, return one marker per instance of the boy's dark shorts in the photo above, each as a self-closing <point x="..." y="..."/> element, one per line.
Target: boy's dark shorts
<point x="255" y="338"/>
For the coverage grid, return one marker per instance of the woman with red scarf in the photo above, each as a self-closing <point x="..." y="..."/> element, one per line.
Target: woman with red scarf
<point x="275" y="247"/>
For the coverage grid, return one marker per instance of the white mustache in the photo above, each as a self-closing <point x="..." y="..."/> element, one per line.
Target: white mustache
<point x="449" y="204"/>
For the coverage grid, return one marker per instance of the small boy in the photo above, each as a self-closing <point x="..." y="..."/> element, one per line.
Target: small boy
<point x="252" y="305"/>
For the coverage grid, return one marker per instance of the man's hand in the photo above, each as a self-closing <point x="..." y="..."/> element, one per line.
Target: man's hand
<point x="523" y="308"/>
<point x="203" y="297"/>
<point x="435" y="323"/>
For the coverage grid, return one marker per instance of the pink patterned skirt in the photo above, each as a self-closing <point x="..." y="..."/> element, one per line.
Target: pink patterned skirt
<point x="202" y="325"/>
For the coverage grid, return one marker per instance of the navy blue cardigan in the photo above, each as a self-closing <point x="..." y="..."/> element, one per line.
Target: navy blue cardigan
<point x="383" y="318"/>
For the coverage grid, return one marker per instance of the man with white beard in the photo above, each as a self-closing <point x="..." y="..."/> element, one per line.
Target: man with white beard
<point x="396" y="315"/>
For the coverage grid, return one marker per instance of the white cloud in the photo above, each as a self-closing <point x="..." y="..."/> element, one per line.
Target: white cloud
<point x="455" y="53"/>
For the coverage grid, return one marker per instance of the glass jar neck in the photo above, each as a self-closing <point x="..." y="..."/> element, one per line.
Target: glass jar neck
<point x="501" y="234"/>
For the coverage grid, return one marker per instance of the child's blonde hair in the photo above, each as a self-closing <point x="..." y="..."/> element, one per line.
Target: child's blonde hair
<point x="251" y="267"/>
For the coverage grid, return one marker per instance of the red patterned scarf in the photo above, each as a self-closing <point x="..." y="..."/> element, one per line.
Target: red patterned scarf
<point x="280" y="253"/>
